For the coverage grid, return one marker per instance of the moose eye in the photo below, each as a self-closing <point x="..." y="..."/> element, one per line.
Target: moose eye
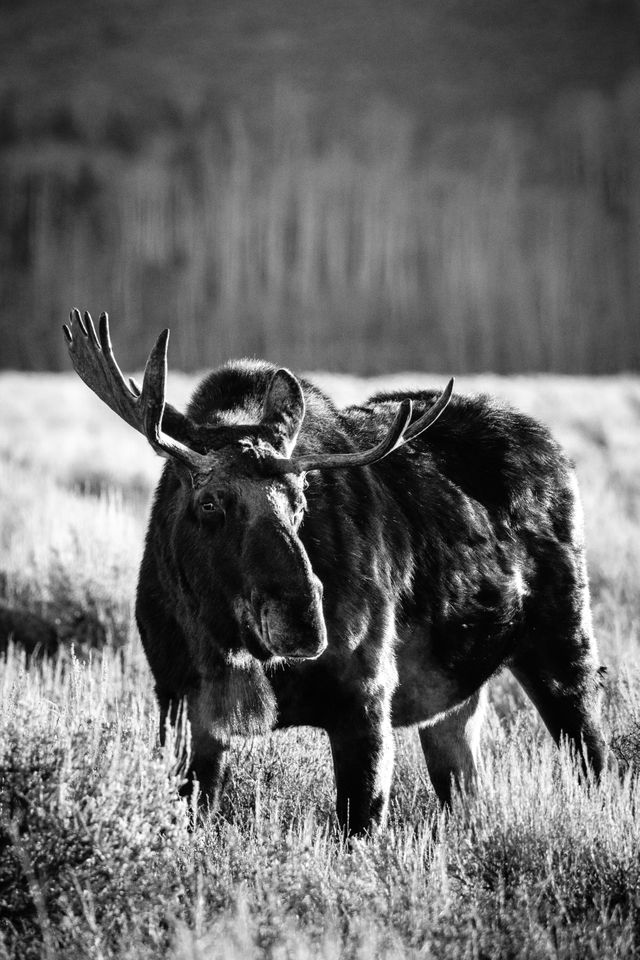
<point x="212" y="514"/>
<point x="213" y="506"/>
<point x="213" y="511"/>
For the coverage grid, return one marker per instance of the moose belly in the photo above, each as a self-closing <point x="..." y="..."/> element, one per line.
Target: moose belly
<point x="436" y="674"/>
<point x="424" y="695"/>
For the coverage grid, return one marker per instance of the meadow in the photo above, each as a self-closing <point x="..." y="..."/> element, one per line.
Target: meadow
<point x="96" y="858"/>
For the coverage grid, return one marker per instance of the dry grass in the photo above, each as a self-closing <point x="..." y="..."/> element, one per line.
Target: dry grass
<point x="95" y="857"/>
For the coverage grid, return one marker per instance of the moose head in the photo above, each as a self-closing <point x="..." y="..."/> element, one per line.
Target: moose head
<point x="242" y="489"/>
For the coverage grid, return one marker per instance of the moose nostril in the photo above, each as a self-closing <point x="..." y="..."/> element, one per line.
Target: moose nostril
<point x="258" y="605"/>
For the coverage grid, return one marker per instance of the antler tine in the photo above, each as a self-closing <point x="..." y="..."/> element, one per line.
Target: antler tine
<point x="152" y="395"/>
<point x="398" y="434"/>
<point x="94" y="362"/>
<point x="390" y="442"/>
<point x="107" y="350"/>
<point x="152" y="403"/>
<point x="431" y="415"/>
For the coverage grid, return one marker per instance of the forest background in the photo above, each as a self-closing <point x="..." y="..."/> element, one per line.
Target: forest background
<point x="360" y="186"/>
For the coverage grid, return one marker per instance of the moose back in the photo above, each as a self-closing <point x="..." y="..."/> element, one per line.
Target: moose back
<point x="352" y="570"/>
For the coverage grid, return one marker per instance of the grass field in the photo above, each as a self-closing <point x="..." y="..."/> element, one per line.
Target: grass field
<point x="96" y="860"/>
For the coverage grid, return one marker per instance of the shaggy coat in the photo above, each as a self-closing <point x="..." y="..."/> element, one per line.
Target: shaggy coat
<point x="360" y="599"/>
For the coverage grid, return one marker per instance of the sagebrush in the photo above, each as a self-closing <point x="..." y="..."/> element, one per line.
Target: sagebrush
<point x="97" y="856"/>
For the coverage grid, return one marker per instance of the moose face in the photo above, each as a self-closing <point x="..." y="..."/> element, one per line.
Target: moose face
<point x="246" y="531"/>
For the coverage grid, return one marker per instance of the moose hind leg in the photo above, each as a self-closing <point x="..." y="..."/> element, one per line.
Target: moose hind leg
<point x="564" y="684"/>
<point x="450" y="747"/>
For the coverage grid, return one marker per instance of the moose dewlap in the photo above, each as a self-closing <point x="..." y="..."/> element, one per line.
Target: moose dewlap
<point x="352" y="569"/>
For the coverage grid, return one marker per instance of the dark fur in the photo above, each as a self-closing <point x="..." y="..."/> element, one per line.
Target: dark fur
<point x="452" y="558"/>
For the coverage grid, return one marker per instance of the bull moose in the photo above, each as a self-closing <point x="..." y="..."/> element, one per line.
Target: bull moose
<point x="352" y="570"/>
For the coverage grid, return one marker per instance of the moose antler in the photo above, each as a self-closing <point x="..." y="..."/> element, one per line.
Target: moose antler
<point x="94" y="362"/>
<point x="398" y="434"/>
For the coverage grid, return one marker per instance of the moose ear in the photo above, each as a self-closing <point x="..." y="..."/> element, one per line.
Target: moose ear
<point x="284" y="408"/>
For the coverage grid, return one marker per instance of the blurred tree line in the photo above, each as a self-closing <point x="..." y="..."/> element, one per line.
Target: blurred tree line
<point x="366" y="190"/>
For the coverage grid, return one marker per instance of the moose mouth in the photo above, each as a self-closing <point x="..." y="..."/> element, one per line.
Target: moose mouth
<point x="266" y="641"/>
<point x="255" y="634"/>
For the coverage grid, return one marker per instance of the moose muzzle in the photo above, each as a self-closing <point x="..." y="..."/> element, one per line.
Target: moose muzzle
<point x="285" y="596"/>
<point x="291" y="626"/>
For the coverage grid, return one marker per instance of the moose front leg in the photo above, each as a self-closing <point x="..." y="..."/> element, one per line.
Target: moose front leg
<point x="209" y="766"/>
<point x="363" y="749"/>
<point x="208" y="756"/>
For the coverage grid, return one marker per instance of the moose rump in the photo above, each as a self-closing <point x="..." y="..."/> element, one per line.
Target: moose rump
<point x="352" y="570"/>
